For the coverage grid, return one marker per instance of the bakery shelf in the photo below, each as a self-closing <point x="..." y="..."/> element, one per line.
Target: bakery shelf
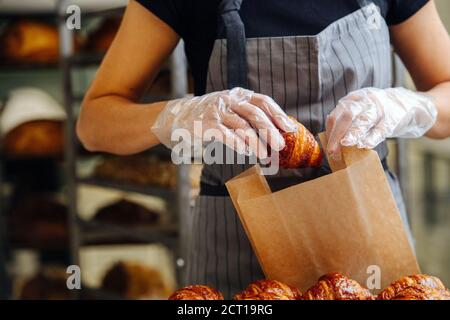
<point x="48" y="8"/>
<point x="159" y="151"/>
<point x="83" y="59"/>
<point x="30" y="67"/>
<point x="98" y="294"/>
<point x="99" y="233"/>
<point x="160" y="192"/>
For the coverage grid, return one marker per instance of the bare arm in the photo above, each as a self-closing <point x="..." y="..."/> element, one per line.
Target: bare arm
<point x="423" y="44"/>
<point x="111" y="120"/>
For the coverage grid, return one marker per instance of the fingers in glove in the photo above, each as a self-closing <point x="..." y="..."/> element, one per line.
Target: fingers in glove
<point x="245" y="131"/>
<point x="374" y="137"/>
<point x="274" y="112"/>
<point x="364" y="119"/>
<point x="338" y="123"/>
<point x="261" y="122"/>
<point x="229" y="138"/>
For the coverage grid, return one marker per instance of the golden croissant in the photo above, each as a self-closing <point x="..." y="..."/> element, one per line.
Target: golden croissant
<point x="269" y="290"/>
<point x="301" y="149"/>
<point x="197" y="292"/>
<point x="335" y="286"/>
<point x="415" y="287"/>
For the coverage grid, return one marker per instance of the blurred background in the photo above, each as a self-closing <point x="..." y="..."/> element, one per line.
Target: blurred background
<point x="118" y="217"/>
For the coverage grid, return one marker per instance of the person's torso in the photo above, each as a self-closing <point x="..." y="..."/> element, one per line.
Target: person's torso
<point x="306" y="76"/>
<point x="261" y="18"/>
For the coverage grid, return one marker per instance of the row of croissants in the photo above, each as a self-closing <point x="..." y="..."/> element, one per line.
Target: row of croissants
<point x="332" y="286"/>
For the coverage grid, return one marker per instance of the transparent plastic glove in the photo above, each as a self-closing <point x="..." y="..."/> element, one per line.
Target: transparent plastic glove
<point x="366" y="117"/>
<point x="226" y="111"/>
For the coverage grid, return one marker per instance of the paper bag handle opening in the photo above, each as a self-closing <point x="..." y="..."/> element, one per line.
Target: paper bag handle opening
<point x="349" y="155"/>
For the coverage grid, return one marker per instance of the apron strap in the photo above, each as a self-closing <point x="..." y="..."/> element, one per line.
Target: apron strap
<point x="231" y="23"/>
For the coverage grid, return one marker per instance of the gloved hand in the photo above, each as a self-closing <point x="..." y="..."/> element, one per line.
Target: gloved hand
<point x="366" y="117"/>
<point x="227" y="111"/>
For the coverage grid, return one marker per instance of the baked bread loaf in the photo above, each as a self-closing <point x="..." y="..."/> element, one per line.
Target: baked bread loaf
<point x="137" y="169"/>
<point x="135" y="281"/>
<point x="29" y="41"/>
<point x="47" y="284"/>
<point x="40" y="221"/>
<point x="126" y="213"/>
<point x="335" y="286"/>
<point x="415" y="287"/>
<point x="269" y="290"/>
<point x="41" y="138"/>
<point x="196" y="292"/>
<point x="301" y="149"/>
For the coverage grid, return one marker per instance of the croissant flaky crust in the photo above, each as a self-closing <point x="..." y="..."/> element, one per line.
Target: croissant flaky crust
<point x="269" y="290"/>
<point x="335" y="286"/>
<point x="415" y="287"/>
<point x="197" y="292"/>
<point x="301" y="149"/>
<point x="332" y="286"/>
<point x="422" y="293"/>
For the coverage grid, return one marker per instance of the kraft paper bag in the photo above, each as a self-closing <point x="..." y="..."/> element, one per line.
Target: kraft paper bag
<point x="346" y="222"/>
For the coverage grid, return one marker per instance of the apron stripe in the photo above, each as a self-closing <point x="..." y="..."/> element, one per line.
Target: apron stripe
<point x="358" y="49"/>
<point x="216" y="258"/>
<point x="238" y="243"/>
<point x="222" y="63"/>
<point x="271" y="66"/>
<point x="355" y="67"/>
<point x="210" y="80"/>
<point x="226" y="262"/>
<point x="344" y="78"/>
<point x="200" y="212"/>
<point x="333" y="79"/>
<point x="324" y="117"/>
<point x="257" y="61"/>
<point x="205" y="242"/>
<point x="377" y="48"/>
<point x="310" y="85"/>
<point x="364" y="40"/>
<point x="284" y="105"/>
<point x="297" y="103"/>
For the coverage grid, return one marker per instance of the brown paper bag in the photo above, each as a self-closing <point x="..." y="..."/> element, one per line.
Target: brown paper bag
<point x="343" y="222"/>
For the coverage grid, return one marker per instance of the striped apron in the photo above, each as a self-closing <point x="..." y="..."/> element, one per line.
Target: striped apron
<point x="306" y="76"/>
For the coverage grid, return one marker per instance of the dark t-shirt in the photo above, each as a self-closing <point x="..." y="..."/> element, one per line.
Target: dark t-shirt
<point x="196" y="21"/>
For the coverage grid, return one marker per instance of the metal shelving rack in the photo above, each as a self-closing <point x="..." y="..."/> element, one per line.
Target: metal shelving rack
<point x="86" y="233"/>
<point x="91" y="233"/>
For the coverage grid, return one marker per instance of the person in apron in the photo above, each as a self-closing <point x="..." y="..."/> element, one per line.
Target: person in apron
<point x="307" y="77"/>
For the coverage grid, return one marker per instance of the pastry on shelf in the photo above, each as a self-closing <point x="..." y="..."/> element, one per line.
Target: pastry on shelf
<point x="40" y="221"/>
<point x="301" y="149"/>
<point x="31" y="124"/>
<point x="335" y="286"/>
<point x="31" y="42"/>
<point x="197" y="292"/>
<point x="137" y="169"/>
<point x="133" y="280"/>
<point x="47" y="284"/>
<point x="415" y="287"/>
<point x="269" y="290"/>
<point x="41" y="138"/>
<point x="100" y="40"/>
<point x="126" y="213"/>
